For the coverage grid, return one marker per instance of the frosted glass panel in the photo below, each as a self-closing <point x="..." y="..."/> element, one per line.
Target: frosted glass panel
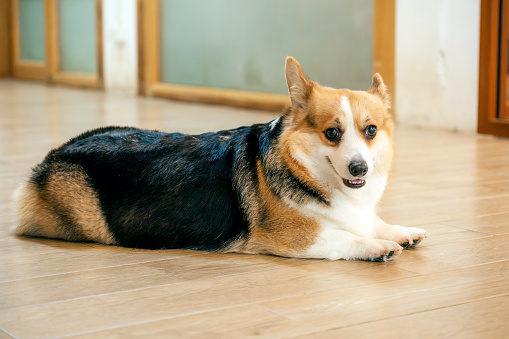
<point x="31" y="30"/>
<point x="242" y="44"/>
<point x="77" y="36"/>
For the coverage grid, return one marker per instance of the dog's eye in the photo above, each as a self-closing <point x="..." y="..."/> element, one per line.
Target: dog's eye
<point x="332" y="134"/>
<point x="370" y="131"/>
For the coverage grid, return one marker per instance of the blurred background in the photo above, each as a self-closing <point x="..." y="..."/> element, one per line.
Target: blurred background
<point x="445" y="61"/>
<point x="192" y="66"/>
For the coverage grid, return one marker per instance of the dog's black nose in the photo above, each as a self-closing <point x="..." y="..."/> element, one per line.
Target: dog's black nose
<point x="358" y="168"/>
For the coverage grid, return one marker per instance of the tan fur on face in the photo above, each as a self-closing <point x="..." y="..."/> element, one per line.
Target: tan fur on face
<point x="323" y="111"/>
<point x="372" y="110"/>
<point x="292" y="142"/>
<point x="316" y="109"/>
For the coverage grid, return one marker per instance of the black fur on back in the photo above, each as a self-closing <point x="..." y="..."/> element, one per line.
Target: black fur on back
<point x="160" y="190"/>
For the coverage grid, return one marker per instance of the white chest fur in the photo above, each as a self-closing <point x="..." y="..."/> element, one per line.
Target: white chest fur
<point x="351" y="210"/>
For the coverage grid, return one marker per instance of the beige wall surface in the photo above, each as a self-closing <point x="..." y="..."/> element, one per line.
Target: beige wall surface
<point x="437" y="63"/>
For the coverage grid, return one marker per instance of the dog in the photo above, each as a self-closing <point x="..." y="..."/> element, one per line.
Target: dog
<point x="304" y="185"/>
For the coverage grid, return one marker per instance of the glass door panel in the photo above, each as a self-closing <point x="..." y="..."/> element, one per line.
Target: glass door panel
<point x="242" y="45"/>
<point x="77" y="36"/>
<point x="31" y="30"/>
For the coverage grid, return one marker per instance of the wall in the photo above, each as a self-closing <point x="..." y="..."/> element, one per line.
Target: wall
<point x="120" y="46"/>
<point x="437" y="56"/>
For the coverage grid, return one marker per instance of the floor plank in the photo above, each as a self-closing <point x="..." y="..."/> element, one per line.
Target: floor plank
<point x="187" y="298"/>
<point x="443" y="234"/>
<point x="443" y="257"/>
<point x="214" y="265"/>
<point x="38" y="260"/>
<point x="476" y="319"/>
<point x="365" y="304"/>
<point x="54" y="288"/>
<point x="4" y="335"/>
<point x="238" y="322"/>
<point x="496" y="224"/>
<point x="443" y="211"/>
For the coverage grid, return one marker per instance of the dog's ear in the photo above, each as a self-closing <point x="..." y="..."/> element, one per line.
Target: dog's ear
<point x="379" y="89"/>
<point x="300" y="86"/>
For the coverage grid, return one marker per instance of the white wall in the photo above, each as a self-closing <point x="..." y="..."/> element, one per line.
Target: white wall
<point x="437" y="56"/>
<point x="120" y="46"/>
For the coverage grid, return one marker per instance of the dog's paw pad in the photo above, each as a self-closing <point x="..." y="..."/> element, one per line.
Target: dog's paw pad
<point x="406" y="245"/>
<point x="415" y="243"/>
<point x="414" y="238"/>
<point x="378" y="250"/>
<point x="383" y="258"/>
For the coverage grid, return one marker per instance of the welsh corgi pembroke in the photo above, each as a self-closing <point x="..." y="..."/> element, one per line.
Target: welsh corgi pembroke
<point x="304" y="185"/>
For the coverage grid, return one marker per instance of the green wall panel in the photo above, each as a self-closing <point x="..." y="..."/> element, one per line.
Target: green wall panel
<point x="77" y="36"/>
<point x="242" y="44"/>
<point x="31" y="30"/>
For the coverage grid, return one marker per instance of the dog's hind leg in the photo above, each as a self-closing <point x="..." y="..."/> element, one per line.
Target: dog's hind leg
<point x="35" y="216"/>
<point x="63" y="207"/>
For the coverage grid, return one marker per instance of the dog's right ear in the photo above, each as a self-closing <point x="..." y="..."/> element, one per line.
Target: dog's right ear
<point x="300" y="86"/>
<point x="379" y="89"/>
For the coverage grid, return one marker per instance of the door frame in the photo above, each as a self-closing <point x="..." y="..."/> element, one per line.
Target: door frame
<point x="55" y="75"/>
<point x="489" y="75"/>
<point x="48" y="70"/>
<point x="150" y="83"/>
<point x="32" y="70"/>
<point x="5" y="39"/>
<point x="384" y="45"/>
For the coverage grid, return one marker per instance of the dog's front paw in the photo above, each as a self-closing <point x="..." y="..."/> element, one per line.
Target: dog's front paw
<point x="412" y="237"/>
<point x="407" y="237"/>
<point x="382" y="250"/>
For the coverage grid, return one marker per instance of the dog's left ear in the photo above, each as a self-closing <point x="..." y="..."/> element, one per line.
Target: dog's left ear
<point x="379" y="89"/>
<point x="300" y="86"/>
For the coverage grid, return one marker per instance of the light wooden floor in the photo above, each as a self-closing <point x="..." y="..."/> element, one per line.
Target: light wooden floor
<point x="456" y="284"/>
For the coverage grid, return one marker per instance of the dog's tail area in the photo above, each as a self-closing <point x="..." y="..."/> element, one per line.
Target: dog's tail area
<point x="34" y="218"/>
<point x="65" y="208"/>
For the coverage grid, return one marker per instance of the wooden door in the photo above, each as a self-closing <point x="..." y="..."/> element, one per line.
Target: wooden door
<point x="493" y="112"/>
<point x="58" y="41"/>
<point x="5" y="67"/>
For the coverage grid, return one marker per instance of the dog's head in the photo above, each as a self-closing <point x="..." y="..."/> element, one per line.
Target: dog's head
<point x="342" y="137"/>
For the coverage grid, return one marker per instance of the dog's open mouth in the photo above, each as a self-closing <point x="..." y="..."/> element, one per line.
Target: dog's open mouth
<point x="356" y="183"/>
